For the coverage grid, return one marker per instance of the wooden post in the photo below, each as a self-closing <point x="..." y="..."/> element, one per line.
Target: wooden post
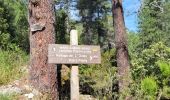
<point x="74" y="81"/>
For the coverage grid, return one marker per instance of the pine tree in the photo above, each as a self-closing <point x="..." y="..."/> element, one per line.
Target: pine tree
<point x="94" y="16"/>
<point x="153" y="22"/>
<point x="7" y="32"/>
<point x="121" y="47"/>
<point x="41" y="20"/>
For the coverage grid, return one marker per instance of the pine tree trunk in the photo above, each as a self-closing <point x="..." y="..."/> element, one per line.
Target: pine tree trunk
<point x="121" y="46"/>
<point x="43" y="76"/>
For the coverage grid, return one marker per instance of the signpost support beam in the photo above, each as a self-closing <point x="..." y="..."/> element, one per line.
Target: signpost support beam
<point x="74" y="81"/>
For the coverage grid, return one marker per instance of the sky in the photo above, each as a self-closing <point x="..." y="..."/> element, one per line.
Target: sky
<point x="130" y="15"/>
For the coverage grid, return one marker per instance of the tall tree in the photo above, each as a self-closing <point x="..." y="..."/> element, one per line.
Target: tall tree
<point x="94" y="16"/>
<point x="149" y="23"/>
<point x="86" y="11"/>
<point x="165" y="19"/>
<point x="41" y="20"/>
<point x="153" y="22"/>
<point x="21" y="23"/>
<point x="7" y="29"/>
<point x="16" y="32"/>
<point x="121" y="46"/>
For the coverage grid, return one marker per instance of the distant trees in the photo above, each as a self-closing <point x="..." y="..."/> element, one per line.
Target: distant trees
<point x="94" y="16"/>
<point x="7" y="31"/>
<point x="13" y="28"/>
<point x="63" y="22"/>
<point x="94" y="22"/>
<point x="153" y="22"/>
<point x="21" y="23"/>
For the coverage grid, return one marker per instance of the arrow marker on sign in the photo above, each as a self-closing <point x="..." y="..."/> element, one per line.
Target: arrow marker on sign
<point x="54" y="49"/>
<point x="91" y="58"/>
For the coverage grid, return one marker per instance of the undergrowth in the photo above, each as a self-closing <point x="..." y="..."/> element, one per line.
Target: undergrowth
<point x="11" y="63"/>
<point x="8" y="97"/>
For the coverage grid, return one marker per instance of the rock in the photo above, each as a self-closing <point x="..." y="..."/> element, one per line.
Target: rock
<point x="10" y="90"/>
<point x="87" y="97"/>
<point x="36" y="92"/>
<point x="27" y="87"/>
<point x="29" y="96"/>
<point x="16" y="82"/>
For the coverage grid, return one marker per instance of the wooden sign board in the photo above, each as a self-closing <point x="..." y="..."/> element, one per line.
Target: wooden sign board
<point x="74" y="54"/>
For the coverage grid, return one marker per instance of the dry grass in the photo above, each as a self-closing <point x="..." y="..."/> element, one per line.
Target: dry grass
<point x="11" y="65"/>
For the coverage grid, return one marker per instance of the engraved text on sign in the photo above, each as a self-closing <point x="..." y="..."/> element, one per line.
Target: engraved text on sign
<point x="74" y="54"/>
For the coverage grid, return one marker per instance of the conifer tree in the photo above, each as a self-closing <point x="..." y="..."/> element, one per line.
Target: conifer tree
<point x="121" y="47"/>
<point x="41" y="20"/>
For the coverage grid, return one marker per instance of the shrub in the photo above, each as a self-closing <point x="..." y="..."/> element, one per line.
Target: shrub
<point x="98" y="80"/>
<point x="8" y="97"/>
<point x="151" y="62"/>
<point x="166" y="93"/>
<point x="149" y="86"/>
<point x="5" y="97"/>
<point x="11" y="63"/>
<point x="164" y="67"/>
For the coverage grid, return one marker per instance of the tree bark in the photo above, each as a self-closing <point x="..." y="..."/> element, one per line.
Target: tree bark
<point x="121" y="46"/>
<point x="43" y="76"/>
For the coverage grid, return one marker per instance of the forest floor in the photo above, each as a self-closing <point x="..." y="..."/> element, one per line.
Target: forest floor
<point x="20" y="90"/>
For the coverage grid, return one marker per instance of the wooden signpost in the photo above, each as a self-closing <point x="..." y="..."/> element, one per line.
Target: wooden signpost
<point x="74" y="54"/>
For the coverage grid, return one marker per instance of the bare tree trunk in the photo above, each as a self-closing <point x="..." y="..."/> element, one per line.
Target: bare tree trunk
<point x="121" y="46"/>
<point x="43" y="76"/>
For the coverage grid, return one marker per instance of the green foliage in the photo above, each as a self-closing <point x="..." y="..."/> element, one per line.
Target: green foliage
<point x="133" y="40"/>
<point x="151" y="62"/>
<point x="8" y="97"/>
<point x="61" y="27"/>
<point x="95" y="17"/>
<point x="99" y="78"/>
<point x="165" y="68"/>
<point x="166" y="92"/>
<point x="144" y="64"/>
<point x="14" y="24"/>
<point x="6" y="24"/>
<point x="149" y="86"/>
<point x="165" y="19"/>
<point x="11" y="62"/>
<point x="152" y="57"/>
<point x="21" y="24"/>
<point x="165" y="71"/>
<point x="149" y="24"/>
<point x="4" y="37"/>
<point x="153" y="22"/>
<point x="5" y="97"/>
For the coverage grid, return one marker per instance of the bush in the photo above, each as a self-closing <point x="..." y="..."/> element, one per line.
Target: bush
<point x="165" y="70"/>
<point x="145" y="63"/>
<point x="164" y="67"/>
<point x="149" y="87"/>
<point x="8" y="97"/>
<point x="151" y="62"/>
<point x="11" y="63"/>
<point x="5" y="97"/>
<point x="98" y="80"/>
<point x="166" y="93"/>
